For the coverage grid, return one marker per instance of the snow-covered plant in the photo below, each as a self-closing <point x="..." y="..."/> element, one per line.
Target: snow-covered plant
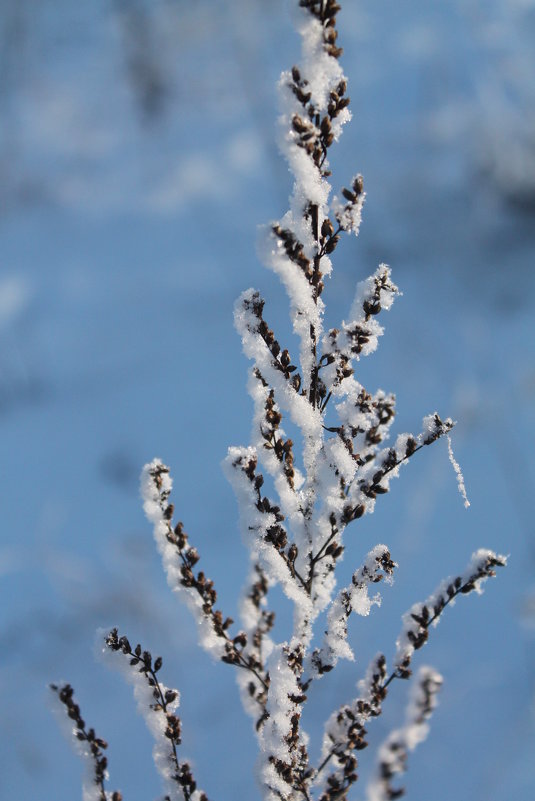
<point x="294" y="530"/>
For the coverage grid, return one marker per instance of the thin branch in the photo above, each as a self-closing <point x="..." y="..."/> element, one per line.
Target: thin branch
<point x="95" y="745"/>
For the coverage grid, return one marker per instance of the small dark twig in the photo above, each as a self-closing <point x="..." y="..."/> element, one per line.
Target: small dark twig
<point x="164" y="702"/>
<point x="95" y="745"/>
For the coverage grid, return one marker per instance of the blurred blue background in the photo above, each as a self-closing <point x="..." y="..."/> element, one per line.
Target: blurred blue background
<point x="137" y="160"/>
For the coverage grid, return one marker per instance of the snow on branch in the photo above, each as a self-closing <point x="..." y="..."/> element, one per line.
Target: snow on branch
<point x="348" y="213"/>
<point x="157" y="704"/>
<point x="345" y="730"/>
<point x="354" y="598"/>
<point x="394" y="752"/>
<point x="359" y="336"/>
<point x="345" y="734"/>
<point x="378" y="468"/>
<point x="273" y="363"/>
<point x="257" y="622"/>
<point x="179" y="559"/>
<point x="421" y="616"/>
<point x="275" y="451"/>
<point x="86" y="743"/>
<point x="283" y="767"/>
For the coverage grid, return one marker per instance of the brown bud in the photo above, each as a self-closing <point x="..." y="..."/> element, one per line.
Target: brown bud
<point x="327" y="228"/>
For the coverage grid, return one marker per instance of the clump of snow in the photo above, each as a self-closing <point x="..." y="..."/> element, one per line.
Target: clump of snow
<point x="349" y="215"/>
<point x="379" y="284"/>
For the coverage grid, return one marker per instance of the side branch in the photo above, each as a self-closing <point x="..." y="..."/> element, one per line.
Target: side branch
<point x="354" y="598"/>
<point x="158" y="704"/>
<point x="418" y="620"/>
<point x="258" y="622"/>
<point x="271" y="433"/>
<point x="345" y="729"/>
<point x="179" y="560"/>
<point x="253" y="306"/>
<point x="264" y="519"/>
<point x="394" y="752"/>
<point x="90" y="747"/>
<point x="375" y="471"/>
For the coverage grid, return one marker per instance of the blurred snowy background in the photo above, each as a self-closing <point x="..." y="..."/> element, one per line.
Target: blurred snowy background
<point x="137" y="159"/>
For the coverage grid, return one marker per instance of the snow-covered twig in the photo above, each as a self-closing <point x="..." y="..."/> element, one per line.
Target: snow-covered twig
<point x="354" y="598"/>
<point x="419" y="618"/>
<point x="345" y="734"/>
<point x="393" y="753"/>
<point x="345" y="729"/>
<point x="157" y="704"/>
<point x="179" y="559"/>
<point x="88" y="745"/>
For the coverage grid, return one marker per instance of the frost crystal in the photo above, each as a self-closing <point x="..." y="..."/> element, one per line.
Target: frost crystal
<point x="458" y="473"/>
